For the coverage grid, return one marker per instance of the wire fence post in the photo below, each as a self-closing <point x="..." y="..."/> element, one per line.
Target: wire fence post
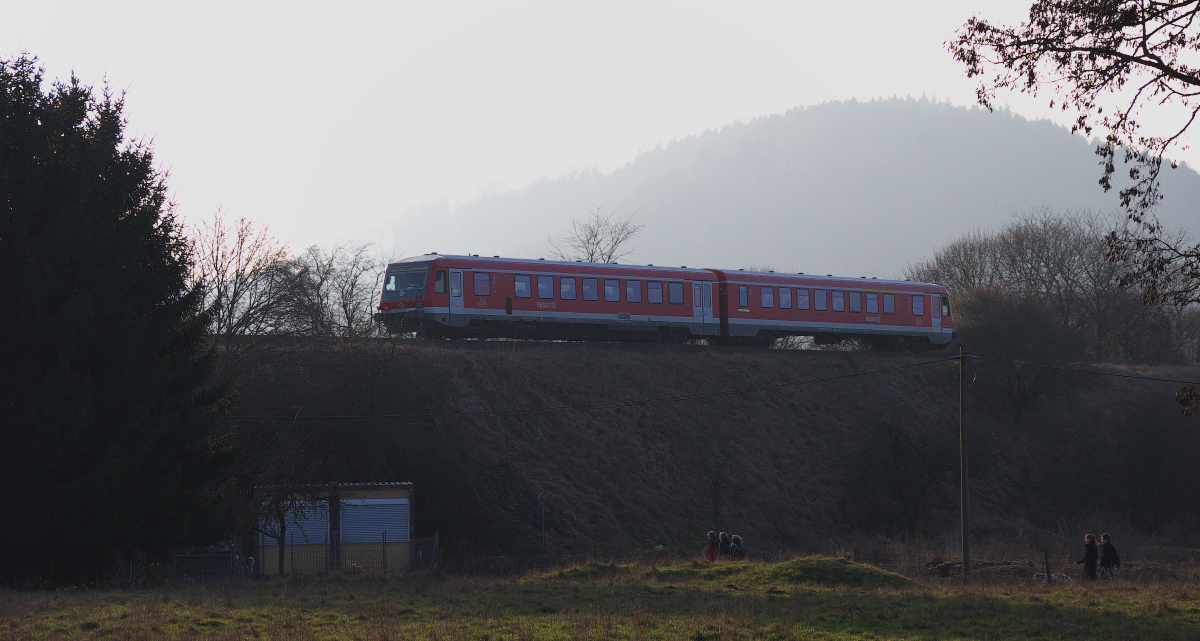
<point x="293" y="554"/>
<point x="962" y="462"/>
<point x="385" y="567"/>
<point x="1046" y="554"/>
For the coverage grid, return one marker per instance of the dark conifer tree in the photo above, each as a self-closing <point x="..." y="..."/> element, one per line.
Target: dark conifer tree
<point x="105" y="416"/>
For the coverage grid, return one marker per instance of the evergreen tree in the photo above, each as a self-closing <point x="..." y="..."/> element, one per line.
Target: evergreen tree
<point x="105" y="413"/>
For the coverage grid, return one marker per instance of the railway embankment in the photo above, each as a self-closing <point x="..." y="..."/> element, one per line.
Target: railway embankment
<point x="640" y="446"/>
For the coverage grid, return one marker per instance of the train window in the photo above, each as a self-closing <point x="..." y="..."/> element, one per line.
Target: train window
<point x="591" y="289"/>
<point x="945" y="305"/>
<point x="456" y="284"/>
<point x="743" y="296"/>
<point x="839" y="301"/>
<point x="855" y="302"/>
<point x="612" y="290"/>
<point x="918" y="305"/>
<point x="566" y="288"/>
<point x="707" y="289"/>
<point x="935" y="306"/>
<point x="439" y="282"/>
<point x="785" y="298"/>
<point x="872" y="303"/>
<point x="654" y="292"/>
<point x="695" y="294"/>
<point x="521" y="286"/>
<point x="767" y="295"/>
<point x="675" y="293"/>
<point x="889" y="303"/>
<point x="819" y="300"/>
<point x="801" y="299"/>
<point x="545" y="287"/>
<point x="633" y="291"/>
<point x="483" y="284"/>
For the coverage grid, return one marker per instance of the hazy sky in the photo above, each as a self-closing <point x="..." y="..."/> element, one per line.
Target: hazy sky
<point x="325" y="121"/>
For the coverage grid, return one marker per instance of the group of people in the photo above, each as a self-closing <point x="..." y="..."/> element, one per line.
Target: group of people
<point x="1105" y="555"/>
<point x="725" y="547"/>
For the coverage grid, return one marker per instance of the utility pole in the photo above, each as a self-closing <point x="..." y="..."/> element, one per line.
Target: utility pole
<point x="962" y="461"/>
<point x="542" y="500"/>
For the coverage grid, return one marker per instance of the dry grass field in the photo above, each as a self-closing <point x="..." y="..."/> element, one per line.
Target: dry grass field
<point x="803" y="598"/>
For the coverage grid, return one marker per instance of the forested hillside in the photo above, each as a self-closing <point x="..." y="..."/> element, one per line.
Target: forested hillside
<point x="853" y="188"/>
<point x="794" y="467"/>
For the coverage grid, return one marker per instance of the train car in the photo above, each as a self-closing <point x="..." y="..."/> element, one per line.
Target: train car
<point x="479" y="297"/>
<point x="888" y="314"/>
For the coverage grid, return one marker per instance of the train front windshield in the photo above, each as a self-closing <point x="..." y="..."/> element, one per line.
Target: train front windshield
<point x="407" y="281"/>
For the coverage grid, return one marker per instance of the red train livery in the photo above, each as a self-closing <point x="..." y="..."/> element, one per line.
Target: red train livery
<point x="479" y="297"/>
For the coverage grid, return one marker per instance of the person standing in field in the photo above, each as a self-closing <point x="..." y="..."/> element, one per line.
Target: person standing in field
<point x="726" y="547"/>
<point x="1090" y="554"/>
<point x="738" y="550"/>
<point x="713" y="547"/>
<point x="1109" y="559"/>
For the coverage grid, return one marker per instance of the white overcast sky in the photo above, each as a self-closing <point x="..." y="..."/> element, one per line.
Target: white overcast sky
<point x="324" y="121"/>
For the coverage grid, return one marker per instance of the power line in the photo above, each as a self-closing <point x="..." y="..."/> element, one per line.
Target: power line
<point x="1086" y="371"/>
<point x="593" y="406"/>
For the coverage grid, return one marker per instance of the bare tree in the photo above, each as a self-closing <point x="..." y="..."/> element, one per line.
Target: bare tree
<point x="245" y="275"/>
<point x="1058" y="260"/>
<point x="333" y="292"/>
<point x="280" y="462"/>
<point x="602" y="238"/>
<point x="1108" y="62"/>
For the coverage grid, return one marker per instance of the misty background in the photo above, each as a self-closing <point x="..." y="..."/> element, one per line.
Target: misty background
<point x="850" y="188"/>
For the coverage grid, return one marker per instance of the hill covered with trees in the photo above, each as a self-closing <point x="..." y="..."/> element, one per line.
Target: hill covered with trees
<point x="853" y="188"/>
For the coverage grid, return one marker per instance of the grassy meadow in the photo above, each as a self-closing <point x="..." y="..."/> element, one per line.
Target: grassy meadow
<point x="804" y="598"/>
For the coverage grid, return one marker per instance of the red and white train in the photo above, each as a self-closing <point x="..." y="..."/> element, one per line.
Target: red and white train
<point x="480" y="297"/>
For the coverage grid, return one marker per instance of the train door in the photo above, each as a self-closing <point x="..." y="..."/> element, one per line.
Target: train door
<point x="697" y="310"/>
<point x="935" y="313"/>
<point x="456" y="299"/>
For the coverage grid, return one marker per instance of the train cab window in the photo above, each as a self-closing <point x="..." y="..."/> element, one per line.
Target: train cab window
<point x="521" y="286"/>
<point x="566" y="288"/>
<point x="801" y="299"/>
<point x="633" y="291"/>
<point x="707" y="289"/>
<point x="839" y="301"/>
<point x="654" y="292"/>
<point x="456" y="284"/>
<point x="768" y="296"/>
<point x="819" y="300"/>
<point x="483" y="284"/>
<point x="945" y="305"/>
<point x="591" y="289"/>
<point x="439" y="282"/>
<point x="743" y="296"/>
<point x="785" y="298"/>
<point x="612" y="290"/>
<point x="918" y="305"/>
<point x="855" y="302"/>
<point x="675" y="293"/>
<point x="889" y="303"/>
<point x="872" y="303"/>
<point x="545" y="287"/>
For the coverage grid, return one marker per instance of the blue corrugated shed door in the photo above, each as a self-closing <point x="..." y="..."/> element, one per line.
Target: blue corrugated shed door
<point x="365" y="520"/>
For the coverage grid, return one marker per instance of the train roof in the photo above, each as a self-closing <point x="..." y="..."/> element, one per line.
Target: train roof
<point x="541" y="262"/>
<point x="843" y="281"/>
<point x="733" y="275"/>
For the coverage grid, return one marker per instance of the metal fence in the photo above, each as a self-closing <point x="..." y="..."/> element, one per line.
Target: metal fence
<point x="385" y="556"/>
